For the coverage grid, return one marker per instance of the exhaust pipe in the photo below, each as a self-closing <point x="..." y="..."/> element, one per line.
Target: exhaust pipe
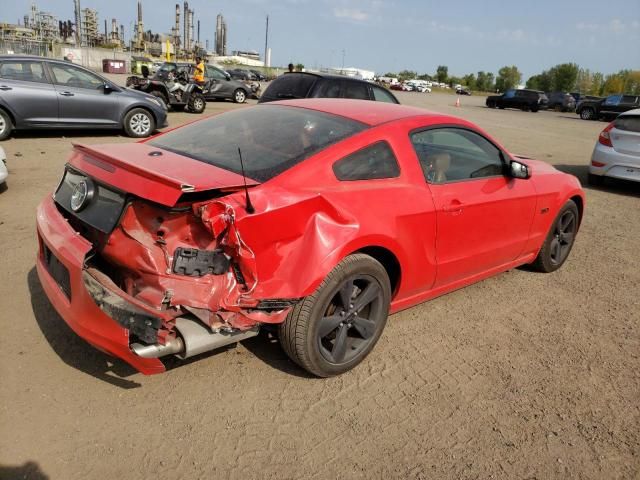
<point x="194" y="339"/>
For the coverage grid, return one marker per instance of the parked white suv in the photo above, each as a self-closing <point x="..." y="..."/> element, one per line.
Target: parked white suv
<point x="617" y="151"/>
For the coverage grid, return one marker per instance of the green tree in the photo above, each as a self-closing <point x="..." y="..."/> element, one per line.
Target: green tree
<point x="469" y="80"/>
<point x="407" y="75"/>
<point x="484" y="81"/>
<point x="490" y="83"/>
<point x="299" y="67"/>
<point x="584" y="80"/>
<point x="442" y="73"/>
<point x="425" y="76"/>
<point x="563" y="77"/>
<point x="542" y="81"/>
<point x="508" y="77"/>
<point x="597" y="82"/>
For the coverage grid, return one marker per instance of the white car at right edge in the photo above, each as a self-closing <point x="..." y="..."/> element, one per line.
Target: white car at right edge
<point x="617" y="151"/>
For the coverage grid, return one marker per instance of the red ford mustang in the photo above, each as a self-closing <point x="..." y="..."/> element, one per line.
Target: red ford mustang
<point x="347" y="211"/>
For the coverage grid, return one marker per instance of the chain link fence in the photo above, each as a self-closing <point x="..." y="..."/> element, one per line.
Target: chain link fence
<point x="25" y="47"/>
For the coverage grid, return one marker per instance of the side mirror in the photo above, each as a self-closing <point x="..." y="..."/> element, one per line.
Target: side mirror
<point x="519" y="170"/>
<point x="106" y="88"/>
<point x="227" y="76"/>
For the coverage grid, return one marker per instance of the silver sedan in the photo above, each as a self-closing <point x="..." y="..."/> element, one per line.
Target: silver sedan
<point x="617" y="151"/>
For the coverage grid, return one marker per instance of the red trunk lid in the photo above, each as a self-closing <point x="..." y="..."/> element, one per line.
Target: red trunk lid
<point x="150" y="172"/>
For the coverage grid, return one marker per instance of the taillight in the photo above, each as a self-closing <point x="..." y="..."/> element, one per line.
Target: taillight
<point x="605" y="138"/>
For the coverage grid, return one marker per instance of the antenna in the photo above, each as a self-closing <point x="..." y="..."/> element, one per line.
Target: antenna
<point x="249" y="208"/>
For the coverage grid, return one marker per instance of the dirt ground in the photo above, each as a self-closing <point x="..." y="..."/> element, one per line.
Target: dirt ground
<point x="525" y="375"/>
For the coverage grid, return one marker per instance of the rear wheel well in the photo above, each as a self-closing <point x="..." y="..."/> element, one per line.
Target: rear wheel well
<point x="578" y="201"/>
<point x="388" y="261"/>
<point x="13" y="119"/>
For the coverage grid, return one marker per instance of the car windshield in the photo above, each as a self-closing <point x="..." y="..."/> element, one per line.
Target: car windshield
<point x="272" y="138"/>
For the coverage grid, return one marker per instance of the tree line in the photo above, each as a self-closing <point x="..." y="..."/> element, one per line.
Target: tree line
<point x="565" y="77"/>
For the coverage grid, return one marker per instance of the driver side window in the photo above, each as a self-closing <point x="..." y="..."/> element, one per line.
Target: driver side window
<point x="70" y="76"/>
<point x="455" y="154"/>
<point x="215" y="73"/>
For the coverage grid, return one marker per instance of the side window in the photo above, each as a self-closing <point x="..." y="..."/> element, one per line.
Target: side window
<point x="612" y="100"/>
<point x="213" y="72"/>
<point x="381" y="95"/>
<point x="357" y="90"/>
<point x="454" y="154"/>
<point x="23" y="71"/>
<point x="70" y="76"/>
<point x="330" y="89"/>
<point x="509" y="93"/>
<point x="373" y="162"/>
<point x="628" y="99"/>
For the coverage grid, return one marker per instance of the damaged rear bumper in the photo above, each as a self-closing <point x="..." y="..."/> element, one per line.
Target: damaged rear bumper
<point x="71" y="298"/>
<point x="122" y="325"/>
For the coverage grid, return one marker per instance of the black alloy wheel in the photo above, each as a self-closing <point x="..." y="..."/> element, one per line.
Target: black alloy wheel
<point x="560" y="239"/>
<point x="350" y="319"/>
<point x="334" y="329"/>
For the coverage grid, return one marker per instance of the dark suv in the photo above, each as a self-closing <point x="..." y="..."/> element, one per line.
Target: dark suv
<point x="532" y="100"/>
<point x="609" y="107"/>
<point x="319" y="85"/>
<point x="561" y="101"/>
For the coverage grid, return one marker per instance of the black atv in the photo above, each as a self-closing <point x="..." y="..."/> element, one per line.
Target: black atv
<point x="192" y="97"/>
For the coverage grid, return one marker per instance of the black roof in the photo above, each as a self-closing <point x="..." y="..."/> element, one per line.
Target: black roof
<point x="327" y="75"/>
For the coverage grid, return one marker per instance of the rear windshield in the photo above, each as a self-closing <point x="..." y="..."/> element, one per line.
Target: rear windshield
<point x="630" y="123"/>
<point x="288" y="86"/>
<point x="272" y="138"/>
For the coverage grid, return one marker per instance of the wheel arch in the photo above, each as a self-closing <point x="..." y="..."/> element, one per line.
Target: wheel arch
<point x="579" y="201"/>
<point x="141" y="106"/>
<point x="389" y="261"/>
<point x="10" y="113"/>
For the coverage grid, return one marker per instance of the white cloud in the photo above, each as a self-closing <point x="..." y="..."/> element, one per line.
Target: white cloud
<point x="352" y="14"/>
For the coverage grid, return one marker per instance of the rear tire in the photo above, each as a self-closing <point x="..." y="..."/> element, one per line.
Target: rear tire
<point x="239" y="96"/>
<point x="334" y="329"/>
<point x="158" y="94"/>
<point x="197" y="103"/>
<point x="560" y="239"/>
<point x="6" y="125"/>
<point x="139" y="123"/>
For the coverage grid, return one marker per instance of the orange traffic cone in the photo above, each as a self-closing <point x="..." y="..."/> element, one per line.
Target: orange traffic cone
<point x="458" y="102"/>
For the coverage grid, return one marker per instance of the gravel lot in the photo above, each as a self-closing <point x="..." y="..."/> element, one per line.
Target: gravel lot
<point x="521" y="376"/>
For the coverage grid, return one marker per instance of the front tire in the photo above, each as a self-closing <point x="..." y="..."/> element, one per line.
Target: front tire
<point x="139" y="123"/>
<point x="587" y="113"/>
<point x="335" y="328"/>
<point x="559" y="241"/>
<point x="239" y="96"/>
<point x="6" y="125"/>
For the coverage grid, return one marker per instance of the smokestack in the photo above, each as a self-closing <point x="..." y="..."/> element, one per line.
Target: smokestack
<point x="198" y="37"/>
<point x="266" y="42"/>
<point x="139" y="11"/>
<point x="185" y="20"/>
<point x="176" y="40"/>
<point x="191" y="28"/>
<point x="106" y="37"/>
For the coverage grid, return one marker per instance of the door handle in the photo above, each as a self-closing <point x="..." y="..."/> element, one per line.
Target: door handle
<point x="454" y="207"/>
<point x="66" y="94"/>
<point x="4" y="87"/>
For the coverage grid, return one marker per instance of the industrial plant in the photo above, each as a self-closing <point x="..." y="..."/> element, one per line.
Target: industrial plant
<point x="43" y="33"/>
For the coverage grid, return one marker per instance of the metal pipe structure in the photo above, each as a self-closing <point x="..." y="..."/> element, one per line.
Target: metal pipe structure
<point x="194" y="339"/>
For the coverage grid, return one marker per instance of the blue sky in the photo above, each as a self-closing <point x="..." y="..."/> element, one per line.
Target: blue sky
<point x="467" y="36"/>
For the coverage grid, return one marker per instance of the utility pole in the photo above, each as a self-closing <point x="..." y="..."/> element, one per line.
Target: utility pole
<point x="342" y="69"/>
